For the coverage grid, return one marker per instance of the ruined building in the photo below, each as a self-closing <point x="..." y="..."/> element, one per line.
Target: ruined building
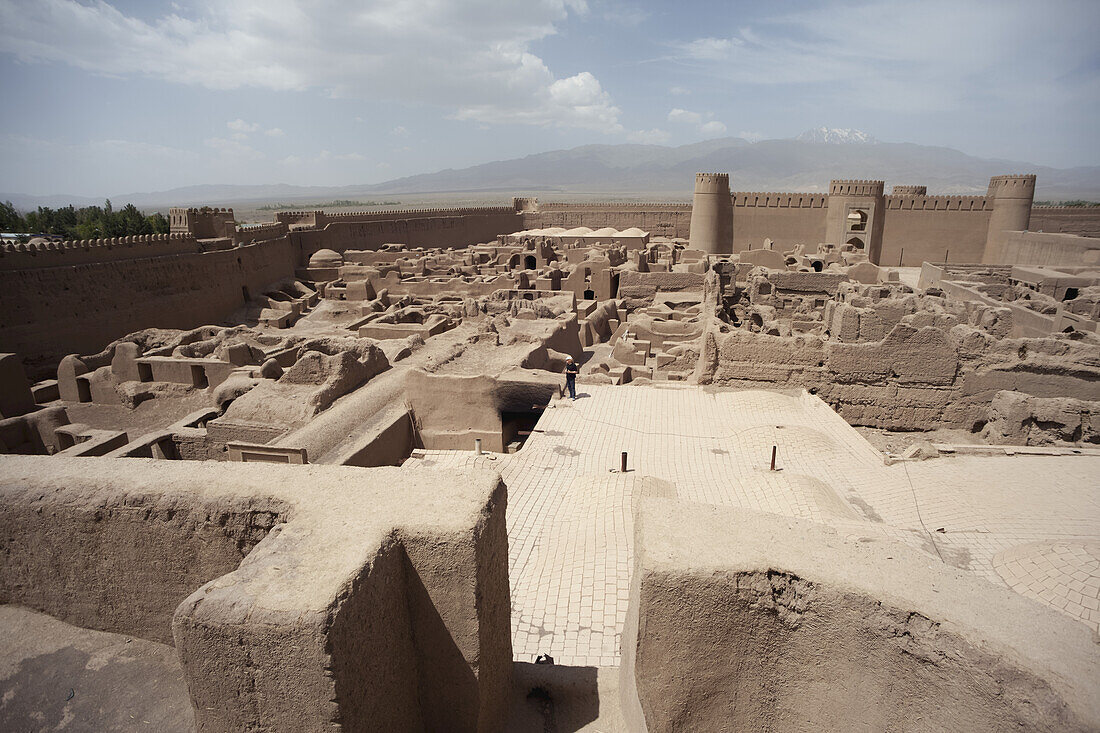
<point x="832" y="465"/>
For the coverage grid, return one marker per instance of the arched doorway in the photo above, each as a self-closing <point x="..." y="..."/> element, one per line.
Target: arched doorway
<point x="530" y="262"/>
<point x="856" y="242"/>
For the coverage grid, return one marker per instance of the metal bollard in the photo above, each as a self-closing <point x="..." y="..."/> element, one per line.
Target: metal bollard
<point x="773" y="457"/>
<point x="477" y="446"/>
<point x="623" y="470"/>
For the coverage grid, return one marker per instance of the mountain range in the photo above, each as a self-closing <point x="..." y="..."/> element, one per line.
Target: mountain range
<point x="804" y="164"/>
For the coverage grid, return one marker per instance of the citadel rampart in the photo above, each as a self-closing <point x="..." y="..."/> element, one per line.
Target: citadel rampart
<point x="47" y="312"/>
<point x="415" y="228"/>
<point x="660" y="219"/>
<point x="78" y="296"/>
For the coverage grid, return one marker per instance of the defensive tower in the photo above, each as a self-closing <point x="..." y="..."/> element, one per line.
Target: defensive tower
<point x="855" y="215"/>
<point x="1011" y="197"/>
<point x="712" y="214"/>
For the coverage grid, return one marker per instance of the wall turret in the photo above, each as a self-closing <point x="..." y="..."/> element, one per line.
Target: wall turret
<point x="712" y="214"/>
<point x="1011" y="197"/>
<point x="855" y="215"/>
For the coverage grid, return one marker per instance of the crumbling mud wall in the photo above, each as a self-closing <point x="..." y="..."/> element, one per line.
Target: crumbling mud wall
<point x="1084" y="221"/>
<point x="741" y="621"/>
<point x="120" y="562"/>
<point x="444" y="421"/>
<point x="48" y="312"/>
<point x="376" y="600"/>
<point x="429" y="228"/>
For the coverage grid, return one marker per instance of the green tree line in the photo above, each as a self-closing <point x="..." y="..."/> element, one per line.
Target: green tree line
<point x="87" y="222"/>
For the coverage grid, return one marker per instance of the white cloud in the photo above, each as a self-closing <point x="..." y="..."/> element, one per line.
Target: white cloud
<point x="935" y="55"/>
<point x="232" y="147"/>
<point x="324" y="156"/>
<point x="648" y="137"/>
<point x="709" y="128"/>
<point x="710" y="49"/>
<point x="679" y="91"/>
<point x="472" y="58"/>
<point x="239" y="125"/>
<point x="399" y="131"/>
<point x="683" y="115"/>
<point x="242" y="129"/>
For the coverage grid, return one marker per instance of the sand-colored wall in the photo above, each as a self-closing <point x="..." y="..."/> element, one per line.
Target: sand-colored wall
<point x="119" y="563"/>
<point x="48" y="312"/>
<point x="741" y="621"/>
<point x="787" y="219"/>
<point x="659" y="219"/>
<point x="953" y="226"/>
<point x="1082" y="221"/>
<point x="381" y="603"/>
<point x="442" y="228"/>
<point x="1034" y="248"/>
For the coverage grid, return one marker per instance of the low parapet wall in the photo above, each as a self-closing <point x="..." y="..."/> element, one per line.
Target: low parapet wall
<point x="420" y="228"/>
<point x="380" y="604"/>
<point x="742" y="621"/>
<point x="48" y="312"/>
<point x="1083" y="221"/>
<point x="85" y="251"/>
<point x="1039" y="248"/>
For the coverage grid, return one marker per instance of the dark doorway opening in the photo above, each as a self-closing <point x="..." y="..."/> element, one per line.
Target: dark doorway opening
<point x="516" y="427"/>
<point x="198" y="377"/>
<point x="1071" y="294"/>
<point x="530" y="262"/>
<point x="816" y="264"/>
<point x="589" y="295"/>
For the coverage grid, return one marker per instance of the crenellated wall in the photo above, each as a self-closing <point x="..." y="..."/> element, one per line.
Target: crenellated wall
<point x="785" y="218"/>
<point x="48" y="312"/>
<point x="1084" y="221"/>
<point x="920" y="229"/>
<point x="417" y="228"/>
<point x="659" y="219"/>
<point x="84" y="251"/>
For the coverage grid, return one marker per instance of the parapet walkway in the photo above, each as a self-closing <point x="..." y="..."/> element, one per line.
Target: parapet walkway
<point x="570" y="522"/>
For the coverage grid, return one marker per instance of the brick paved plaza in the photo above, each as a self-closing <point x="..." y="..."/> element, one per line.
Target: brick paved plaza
<point x="1031" y="522"/>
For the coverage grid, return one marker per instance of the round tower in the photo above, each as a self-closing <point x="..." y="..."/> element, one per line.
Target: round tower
<point x="712" y="214"/>
<point x="1011" y="198"/>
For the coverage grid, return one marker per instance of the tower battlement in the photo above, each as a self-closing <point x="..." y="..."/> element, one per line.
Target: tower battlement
<point x="856" y="188"/>
<point x="1020" y="185"/>
<point x="712" y="183"/>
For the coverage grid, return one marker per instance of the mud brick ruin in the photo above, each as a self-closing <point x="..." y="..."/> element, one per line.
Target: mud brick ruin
<point x="834" y="464"/>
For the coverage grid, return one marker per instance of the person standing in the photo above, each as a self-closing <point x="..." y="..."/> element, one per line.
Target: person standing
<point x="571" y="372"/>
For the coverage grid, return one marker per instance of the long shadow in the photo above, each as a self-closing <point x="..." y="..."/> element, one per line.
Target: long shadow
<point x="552" y="698"/>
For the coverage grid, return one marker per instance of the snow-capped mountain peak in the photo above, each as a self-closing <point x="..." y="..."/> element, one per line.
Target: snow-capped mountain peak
<point x="836" y="136"/>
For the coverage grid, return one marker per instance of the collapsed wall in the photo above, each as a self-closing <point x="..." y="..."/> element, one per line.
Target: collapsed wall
<point x="885" y="356"/>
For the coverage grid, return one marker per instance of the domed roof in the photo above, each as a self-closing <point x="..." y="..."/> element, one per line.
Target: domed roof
<point x="604" y="232"/>
<point x="326" y="258"/>
<point x="577" y="232"/>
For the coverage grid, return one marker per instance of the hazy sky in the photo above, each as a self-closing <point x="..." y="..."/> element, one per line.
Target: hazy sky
<point x="140" y="95"/>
